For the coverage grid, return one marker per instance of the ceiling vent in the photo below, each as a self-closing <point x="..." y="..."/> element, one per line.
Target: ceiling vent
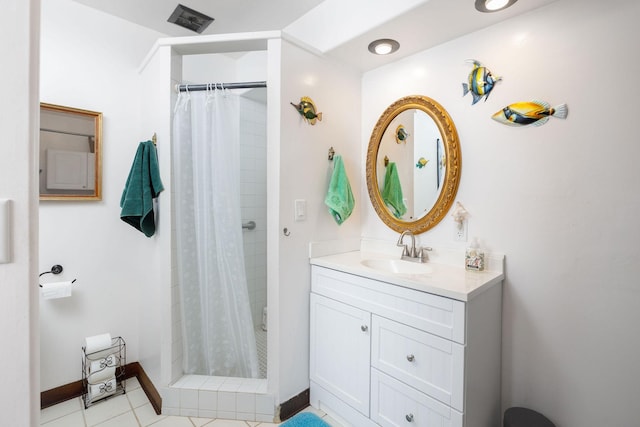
<point x="190" y="19"/>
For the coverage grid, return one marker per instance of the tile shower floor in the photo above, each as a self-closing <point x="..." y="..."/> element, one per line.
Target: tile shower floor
<point x="133" y="409"/>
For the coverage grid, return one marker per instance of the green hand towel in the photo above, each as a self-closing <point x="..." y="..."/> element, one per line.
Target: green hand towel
<point x="339" y="196"/>
<point x="392" y="191"/>
<point x="143" y="185"/>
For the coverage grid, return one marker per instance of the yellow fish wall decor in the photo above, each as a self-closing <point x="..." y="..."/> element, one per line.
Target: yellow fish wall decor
<point x="481" y="82"/>
<point x="307" y="110"/>
<point x="534" y="113"/>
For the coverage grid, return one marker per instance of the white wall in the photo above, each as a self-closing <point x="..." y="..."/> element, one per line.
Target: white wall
<point x="94" y="70"/>
<point x="19" y="355"/>
<point x="154" y="296"/>
<point x="302" y="171"/>
<point x="559" y="200"/>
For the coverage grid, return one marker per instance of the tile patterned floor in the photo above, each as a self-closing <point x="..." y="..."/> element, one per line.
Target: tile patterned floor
<point x="133" y="409"/>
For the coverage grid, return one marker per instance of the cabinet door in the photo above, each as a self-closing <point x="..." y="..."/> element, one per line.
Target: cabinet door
<point x="340" y="350"/>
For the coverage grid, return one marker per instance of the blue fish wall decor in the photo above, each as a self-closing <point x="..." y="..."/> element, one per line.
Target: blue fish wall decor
<point x="480" y="82"/>
<point x="534" y="113"/>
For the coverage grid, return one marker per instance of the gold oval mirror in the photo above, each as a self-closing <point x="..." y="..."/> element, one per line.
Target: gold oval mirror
<point x="412" y="185"/>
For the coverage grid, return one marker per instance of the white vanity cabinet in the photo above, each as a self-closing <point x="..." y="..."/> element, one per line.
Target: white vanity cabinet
<point x="389" y="355"/>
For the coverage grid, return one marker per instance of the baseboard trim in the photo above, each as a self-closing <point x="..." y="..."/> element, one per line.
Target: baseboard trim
<point x="69" y="391"/>
<point x="147" y="386"/>
<point x="294" y="405"/>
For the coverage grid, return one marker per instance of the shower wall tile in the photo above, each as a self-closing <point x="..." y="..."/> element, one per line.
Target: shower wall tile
<point x="230" y="386"/>
<point x="170" y="411"/>
<point x="240" y="405"/>
<point x="188" y="412"/>
<point x="254" y="200"/>
<point x="246" y="403"/>
<point x="265" y="404"/>
<point x="208" y="400"/>
<point x="227" y="402"/>
<point x="170" y="397"/>
<point x="193" y="382"/>
<point x="203" y="413"/>
<point x="213" y="383"/>
<point x="189" y="399"/>
<point x="264" y="418"/>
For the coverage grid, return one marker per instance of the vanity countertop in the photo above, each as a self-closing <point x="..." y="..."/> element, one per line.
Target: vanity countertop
<point x="444" y="280"/>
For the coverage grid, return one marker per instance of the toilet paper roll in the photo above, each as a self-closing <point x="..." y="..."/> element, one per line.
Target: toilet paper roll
<point x="101" y="376"/>
<point x="104" y="362"/>
<point x="102" y="390"/>
<point x="97" y="343"/>
<point x="56" y="290"/>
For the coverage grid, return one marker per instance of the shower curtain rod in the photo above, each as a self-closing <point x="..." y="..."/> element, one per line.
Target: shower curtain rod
<point x="205" y="86"/>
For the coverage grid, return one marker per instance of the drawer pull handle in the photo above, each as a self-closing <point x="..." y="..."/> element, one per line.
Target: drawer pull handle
<point x="411" y="358"/>
<point x="409" y="417"/>
<point x="364" y="328"/>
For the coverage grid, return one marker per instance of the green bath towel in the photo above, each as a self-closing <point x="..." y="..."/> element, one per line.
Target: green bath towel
<point x="339" y="196"/>
<point x="392" y="191"/>
<point x="143" y="185"/>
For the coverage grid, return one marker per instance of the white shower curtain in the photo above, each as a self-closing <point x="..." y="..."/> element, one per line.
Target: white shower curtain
<point x="218" y="334"/>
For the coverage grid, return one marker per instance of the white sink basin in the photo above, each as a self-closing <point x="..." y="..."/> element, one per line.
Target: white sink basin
<point x="397" y="266"/>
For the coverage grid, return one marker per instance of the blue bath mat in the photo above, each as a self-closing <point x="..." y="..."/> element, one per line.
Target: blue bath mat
<point x="304" y="419"/>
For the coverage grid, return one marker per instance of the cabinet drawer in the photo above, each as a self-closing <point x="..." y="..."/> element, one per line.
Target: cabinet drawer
<point x="438" y="315"/>
<point x="432" y="365"/>
<point x="396" y="404"/>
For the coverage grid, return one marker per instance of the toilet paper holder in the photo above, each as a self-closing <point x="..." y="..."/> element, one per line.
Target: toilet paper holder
<point x="56" y="269"/>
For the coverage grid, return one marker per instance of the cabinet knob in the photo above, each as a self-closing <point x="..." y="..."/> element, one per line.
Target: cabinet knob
<point x="411" y="357"/>
<point x="409" y="417"/>
<point x="364" y="328"/>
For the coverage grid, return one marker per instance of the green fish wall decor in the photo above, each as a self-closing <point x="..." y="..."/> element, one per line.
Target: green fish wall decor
<point x="307" y="110"/>
<point x="534" y="113"/>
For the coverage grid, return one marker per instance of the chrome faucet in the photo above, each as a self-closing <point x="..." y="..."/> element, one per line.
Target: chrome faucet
<point x="414" y="254"/>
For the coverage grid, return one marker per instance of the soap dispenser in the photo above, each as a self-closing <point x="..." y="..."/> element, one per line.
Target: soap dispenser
<point x="474" y="257"/>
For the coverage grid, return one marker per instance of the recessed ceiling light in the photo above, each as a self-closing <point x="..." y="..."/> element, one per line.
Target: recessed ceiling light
<point x="383" y="46"/>
<point x="488" y="6"/>
<point x="190" y="19"/>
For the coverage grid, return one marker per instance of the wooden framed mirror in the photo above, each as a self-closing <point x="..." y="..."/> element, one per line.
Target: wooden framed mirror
<point x="413" y="184"/>
<point x="70" y="153"/>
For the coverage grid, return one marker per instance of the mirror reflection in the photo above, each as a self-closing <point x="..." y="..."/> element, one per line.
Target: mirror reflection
<point x="413" y="145"/>
<point x="70" y="153"/>
<point x="413" y="164"/>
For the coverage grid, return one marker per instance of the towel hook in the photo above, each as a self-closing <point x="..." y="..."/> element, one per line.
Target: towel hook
<point x="386" y="161"/>
<point x="332" y="152"/>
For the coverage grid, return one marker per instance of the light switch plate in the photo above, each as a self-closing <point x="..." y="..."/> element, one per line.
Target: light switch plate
<point x="300" y="211"/>
<point x="5" y="231"/>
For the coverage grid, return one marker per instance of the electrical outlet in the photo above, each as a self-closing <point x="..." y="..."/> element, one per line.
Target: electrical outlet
<point x="460" y="231"/>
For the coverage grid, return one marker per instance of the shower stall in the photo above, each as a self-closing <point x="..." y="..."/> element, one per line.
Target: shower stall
<point x="219" y="300"/>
